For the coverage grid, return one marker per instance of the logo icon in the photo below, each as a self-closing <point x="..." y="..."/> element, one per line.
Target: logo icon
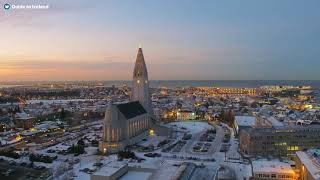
<point x="7" y="6"/>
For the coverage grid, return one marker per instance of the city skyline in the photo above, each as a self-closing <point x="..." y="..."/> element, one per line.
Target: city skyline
<point x="190" y="41"/>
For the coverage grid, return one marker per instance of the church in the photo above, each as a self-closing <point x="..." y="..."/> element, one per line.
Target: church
<point x="128" y="123"/>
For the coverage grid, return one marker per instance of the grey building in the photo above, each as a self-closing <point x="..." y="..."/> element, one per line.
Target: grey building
<point x="279" y="141"/>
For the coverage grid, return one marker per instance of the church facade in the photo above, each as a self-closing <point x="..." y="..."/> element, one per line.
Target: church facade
<point x="128" y="123"/>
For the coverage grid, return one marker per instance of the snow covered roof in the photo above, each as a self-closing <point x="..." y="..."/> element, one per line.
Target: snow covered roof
<point x="275" y="122"/>
<point x="274" y="166"/>
<point x="23" y="115"/>
<point x="110" y="169"/>
<point x="245" y="120"/>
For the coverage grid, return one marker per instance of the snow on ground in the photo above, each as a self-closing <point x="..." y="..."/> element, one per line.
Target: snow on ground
<point x="243" y="171"/>
<point x="88" y="162"/>
<point x="56" y="101"/>
<point x="165" y="170"/>
<point x="154" y="140"/>
<point x="91" y="150"/>
<point x="131" y="175"/>
<point x="191" y="127"/>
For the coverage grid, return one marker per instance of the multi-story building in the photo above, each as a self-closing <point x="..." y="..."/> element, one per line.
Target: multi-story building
<point x="308" y="164"/>
<point x="24" y="120"/>
<point x="279" y="141"/>
<point x="243" y="122"/>
<point x="264" y="170"/>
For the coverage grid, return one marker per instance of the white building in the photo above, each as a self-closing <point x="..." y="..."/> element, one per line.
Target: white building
<point x="263" y="170"/>
<point x="111" y="171"/>
<point x="242" y="122"/>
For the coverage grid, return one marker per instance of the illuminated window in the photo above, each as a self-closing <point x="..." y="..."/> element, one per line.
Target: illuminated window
<point x="138" y="81"/>
<point x="146" y="81"/>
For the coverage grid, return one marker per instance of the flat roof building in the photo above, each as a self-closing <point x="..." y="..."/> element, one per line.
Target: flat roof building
<point x="279" y="141"/>
<point x="243" y="122"/>
<point x="263" y="169"/>
<point x="111" y="171"/>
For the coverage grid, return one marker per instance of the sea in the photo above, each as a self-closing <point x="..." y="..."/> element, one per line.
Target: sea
<point x="185" y="83"/>
<point x="221" y="83"/>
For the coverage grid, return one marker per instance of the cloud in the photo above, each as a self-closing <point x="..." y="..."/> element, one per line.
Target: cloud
<point x="38" y="65"/>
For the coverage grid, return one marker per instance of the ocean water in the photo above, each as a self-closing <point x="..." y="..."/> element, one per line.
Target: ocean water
<point x="219" y="83"/>
<point x="184" y="83"/>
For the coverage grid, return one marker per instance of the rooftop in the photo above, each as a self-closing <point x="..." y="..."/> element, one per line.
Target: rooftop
<point x="245" y="120"/>
<point x="110" y="168"/>
<point x="131" y="109"/>
<point x="273" y="166"/>
<point x="275" y="122"/>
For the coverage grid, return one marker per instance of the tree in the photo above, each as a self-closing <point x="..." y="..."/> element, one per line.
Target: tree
<point x="62" y="114"/>
<point x="228" y="117"/>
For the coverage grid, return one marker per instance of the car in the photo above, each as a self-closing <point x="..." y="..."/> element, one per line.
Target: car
<point x="85" y="170"/>
<point x="51" y="151"/>
<point x="98" y="164"/>
<point x="40" y="168"/>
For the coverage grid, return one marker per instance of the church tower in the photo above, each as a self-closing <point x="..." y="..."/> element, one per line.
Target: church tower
<point x="140" y="83"/>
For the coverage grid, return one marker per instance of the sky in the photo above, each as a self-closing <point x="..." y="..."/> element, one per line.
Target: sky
<point x="181" y="40"/>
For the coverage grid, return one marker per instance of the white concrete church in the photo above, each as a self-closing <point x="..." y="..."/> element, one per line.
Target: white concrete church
<point x="126" y="124"/>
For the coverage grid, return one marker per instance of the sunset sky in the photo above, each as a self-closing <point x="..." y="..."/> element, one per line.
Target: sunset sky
<point x="181" y="39"/>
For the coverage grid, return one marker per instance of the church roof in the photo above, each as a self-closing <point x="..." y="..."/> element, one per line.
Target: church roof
<point x="131" y="109"/>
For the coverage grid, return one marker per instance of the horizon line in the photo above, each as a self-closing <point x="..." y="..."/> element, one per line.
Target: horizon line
<point x="21" y="81"/>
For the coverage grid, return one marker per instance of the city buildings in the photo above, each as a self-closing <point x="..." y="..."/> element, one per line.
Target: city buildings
<point x="186" y="115"/>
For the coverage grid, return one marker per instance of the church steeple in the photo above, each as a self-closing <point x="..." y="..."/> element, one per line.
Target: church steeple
<point x="140" y="68"/>
<point x="140" y="83"/>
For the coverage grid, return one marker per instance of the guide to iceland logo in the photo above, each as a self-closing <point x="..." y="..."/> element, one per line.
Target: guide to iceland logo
<point x="6" y="6"/>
